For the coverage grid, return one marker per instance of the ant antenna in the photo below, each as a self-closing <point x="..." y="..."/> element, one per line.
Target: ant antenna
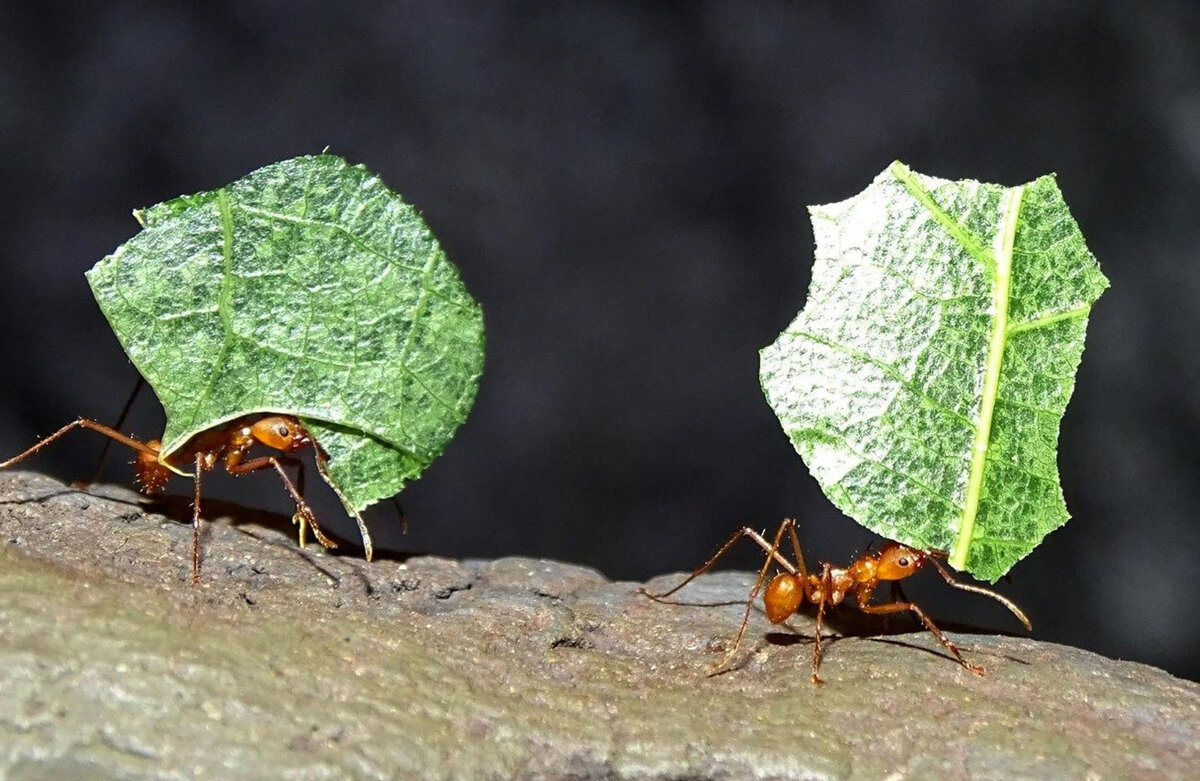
<point x="934" y="557"/>
<point x="321" y="460"/>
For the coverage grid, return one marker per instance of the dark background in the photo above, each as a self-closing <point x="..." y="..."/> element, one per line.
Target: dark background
<point x="623" y="188"/>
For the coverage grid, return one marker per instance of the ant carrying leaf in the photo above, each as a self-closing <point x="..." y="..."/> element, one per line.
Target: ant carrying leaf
<point x="228" y="444"/>
<point x="788" y="590"/>
<point x="304" y="303"/>
<point x="924" y="380"/>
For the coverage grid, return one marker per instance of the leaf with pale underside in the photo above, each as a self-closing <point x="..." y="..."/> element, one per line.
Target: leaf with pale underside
<point x="308" y="288"/>
<point x="926" y="377"/>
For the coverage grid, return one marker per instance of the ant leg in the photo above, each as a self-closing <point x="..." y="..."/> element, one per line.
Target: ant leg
<point x="987" y="592"/>
<point x="199" y="469"/>
<point x="773" y="554"/>
<point x="302" y="507"/>
<point x="403" y="516"/>
<point x="897" y="607"/>
<point x="298" y="519"/>
<point x="320" y="459"/>
<point x="826" y="589"/>
<point x="111" y="433"/>
<point x="898" y="595"/>
<point x="772" y="551"/>
<point x="797" y="553"/>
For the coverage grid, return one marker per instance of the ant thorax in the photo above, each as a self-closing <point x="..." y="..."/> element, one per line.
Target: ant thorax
<point x="864" y="569"/>
<point x="839" y="580"/>
<point x="208" y="446"/>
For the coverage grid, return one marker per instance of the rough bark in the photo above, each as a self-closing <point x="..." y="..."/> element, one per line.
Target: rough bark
<point x="290" y="663"/>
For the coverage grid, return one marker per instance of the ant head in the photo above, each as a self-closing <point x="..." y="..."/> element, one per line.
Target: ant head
<point x="897" y="562"/>
<point x="281" y="433"/>
<point x="783" y="596"/>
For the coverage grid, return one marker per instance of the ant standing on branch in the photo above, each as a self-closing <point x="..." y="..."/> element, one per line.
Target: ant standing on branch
<point x="228" y="444"/>
<point x="787" y="591"/>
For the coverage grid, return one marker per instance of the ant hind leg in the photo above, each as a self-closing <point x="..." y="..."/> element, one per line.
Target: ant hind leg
<point x="771" y="549"/>
<point x="772" y="555"/>
<point x="111" y="433"/>
<point x="705" y="567"/>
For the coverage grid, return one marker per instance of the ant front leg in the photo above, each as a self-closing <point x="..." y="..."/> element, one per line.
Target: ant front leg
<point x="304" y="515"/>
<point x="864" y="597"/>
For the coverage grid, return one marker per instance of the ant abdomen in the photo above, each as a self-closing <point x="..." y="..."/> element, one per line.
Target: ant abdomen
<point x="783" y="597"/>
<point x="152" y="475"/>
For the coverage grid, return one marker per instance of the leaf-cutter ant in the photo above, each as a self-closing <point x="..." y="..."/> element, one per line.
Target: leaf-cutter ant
<point x="228" y="444"/>
<point x="788" y="590"/>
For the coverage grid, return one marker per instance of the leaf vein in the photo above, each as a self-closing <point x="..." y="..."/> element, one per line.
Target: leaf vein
<point x="969" y="241"/>
<point x="1044" y="321"/>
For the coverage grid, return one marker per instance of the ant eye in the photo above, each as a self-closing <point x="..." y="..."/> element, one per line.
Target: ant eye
<point x="902" y="561"/>
<point x="283" y="431"/>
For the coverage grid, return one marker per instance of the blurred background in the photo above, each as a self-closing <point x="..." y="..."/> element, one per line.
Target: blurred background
<point x="623" y="187"/>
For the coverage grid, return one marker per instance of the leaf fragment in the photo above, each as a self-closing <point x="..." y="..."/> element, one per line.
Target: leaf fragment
<point x="306" y="288"/>
<point x="926" y="377"/>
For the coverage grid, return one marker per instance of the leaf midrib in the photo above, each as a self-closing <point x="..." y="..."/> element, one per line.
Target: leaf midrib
<point x="1005" y="237"/>
<point x="998" y="263"/>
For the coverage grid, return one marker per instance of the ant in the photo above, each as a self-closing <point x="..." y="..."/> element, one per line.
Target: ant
<point x="788" y="590"/>
<point x="229" y="444"/>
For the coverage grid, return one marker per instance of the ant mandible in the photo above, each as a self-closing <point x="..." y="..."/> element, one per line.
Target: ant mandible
<point x="788" y="590"/>
<point x="229" y="443"/>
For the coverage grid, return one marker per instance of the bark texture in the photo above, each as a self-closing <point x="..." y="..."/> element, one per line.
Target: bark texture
<point x="296" y="664"/>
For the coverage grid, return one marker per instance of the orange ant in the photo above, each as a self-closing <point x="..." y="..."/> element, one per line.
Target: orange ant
<point x="788" y="590"/>
<point x="229" y="444"/>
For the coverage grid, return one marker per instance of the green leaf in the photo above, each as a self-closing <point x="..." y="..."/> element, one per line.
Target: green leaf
<point x="925" y="379"/>
<point x="307" y="288"/>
